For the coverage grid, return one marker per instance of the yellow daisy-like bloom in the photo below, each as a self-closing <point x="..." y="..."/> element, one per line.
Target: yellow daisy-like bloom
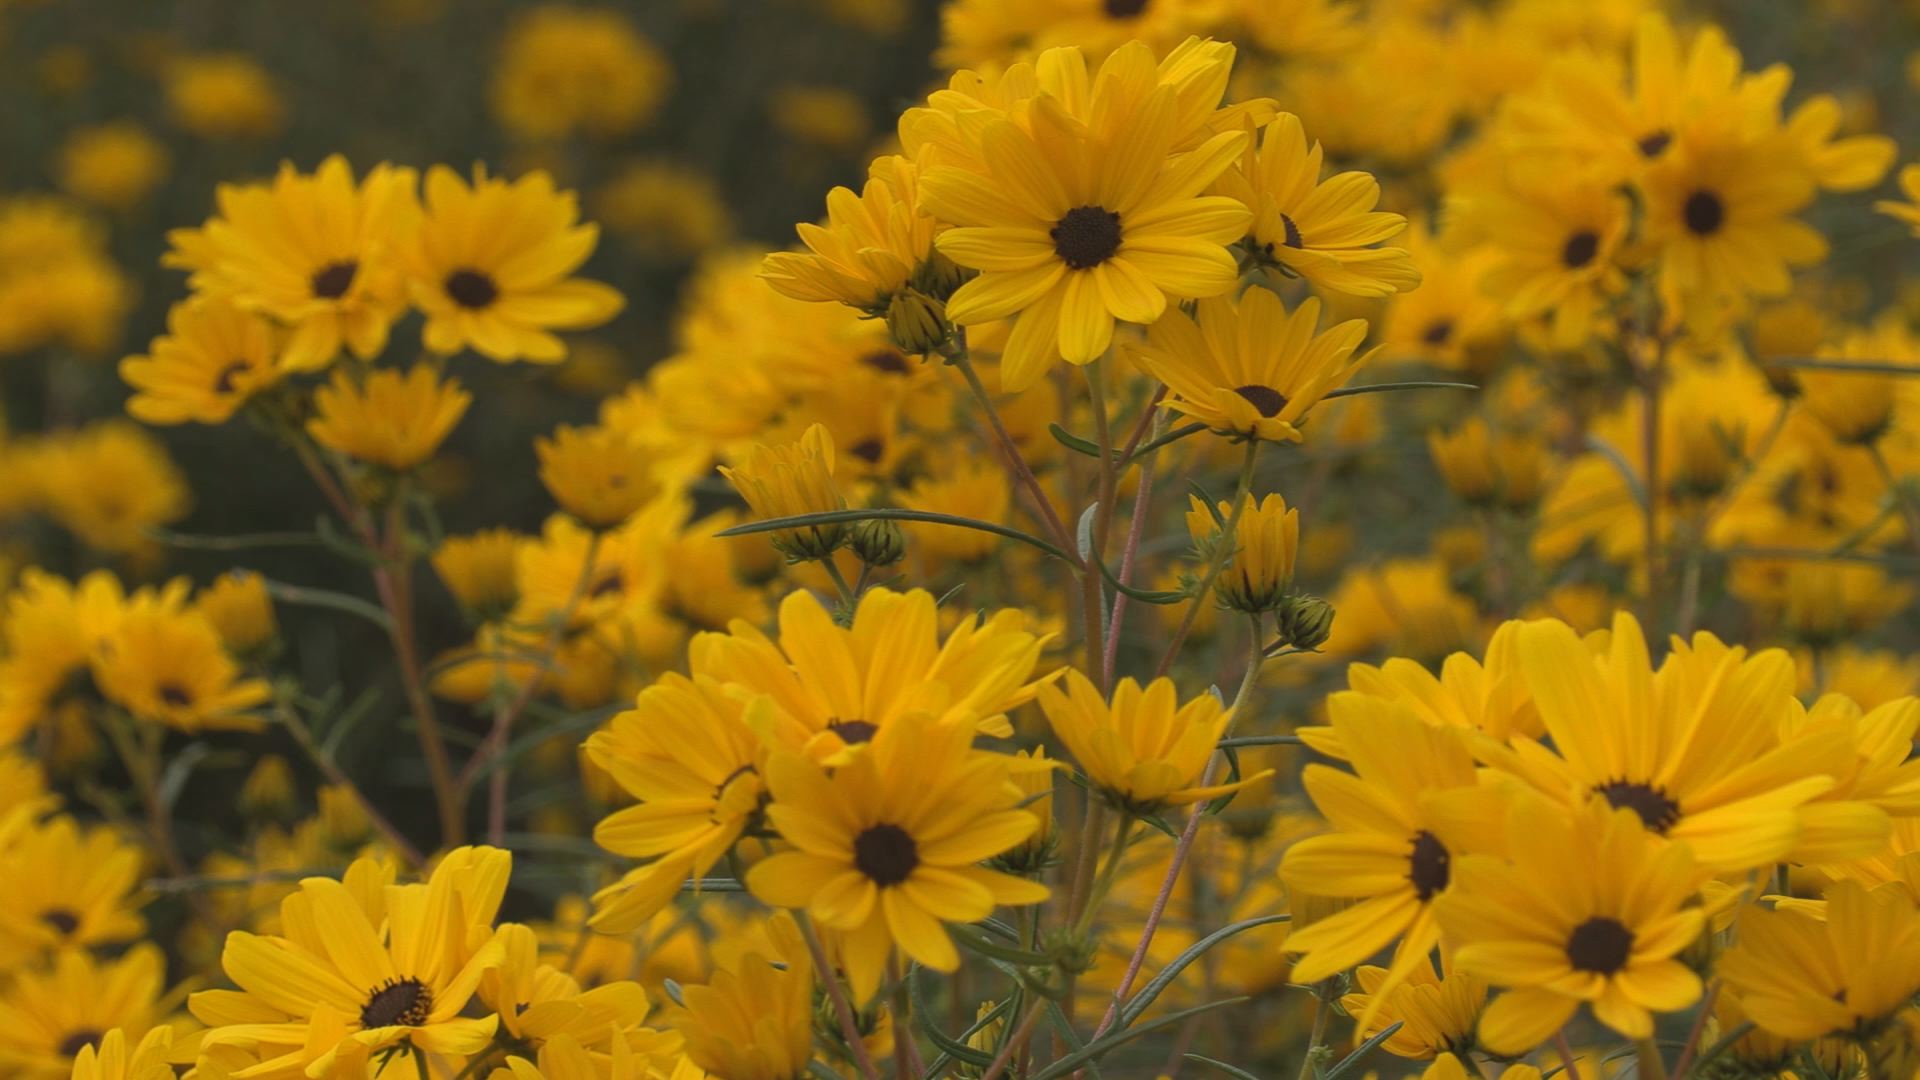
<point x="688" y="751"/>
<point x="1074" y="227"/>
<point x="1557" y="242"/>
<point x="317" y="252"/>
<point x="888" y="844"/>
<point x="968" y="488"/>
<point x="1907" y="213"/>
<point x="1144" y="751"/>
<point x="1251" y="369"/>
<point x="385" y="417"/>
<point x="597" y="474"/>
<point x="1802" y="975"/>
<point x="566" y="68"/>
<point x="539" y="1004"/>
<point x="114" y="165"/>
<point x="1449" y="1067"/>
<point x="1265" y="542"/>
<point x="172" y="669"/>
<point x="213" y="358"/>
<point x="70" y="888"/>
<point x="836" y="687"/>
<point x="491" y="267"/>
<point x="240" y="610"/>
<point x="1484" y="468"/>
<point x="480" y="570"/>
<point x="1490" y="697"/>
<point x="754" y="1019"/>
<point x="1591" y="908"/>
<point x="109" y="483"/>
<point x="1438" y="1013"/>
<point x="1694" y="751"/>
<point x="1324" y="231"/>
<point x="223" y="95"/>
<point x="112" y="1059"/>
<point x="785" y="481"/>
<point x="361" y="967"/>
<point x="49" y="1015"/>
<point x="874" y="242"/>
<point x="1412" y="805"/>
<point x="50" y="630"/>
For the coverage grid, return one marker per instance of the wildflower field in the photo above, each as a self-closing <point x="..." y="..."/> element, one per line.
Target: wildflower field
<point x="990" y="539"/>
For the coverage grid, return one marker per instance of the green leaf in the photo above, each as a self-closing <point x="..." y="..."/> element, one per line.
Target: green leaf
<point x="1074" y="442"/>
<point x="353" y="550"/>
<point x="179" y="767"/>
<point x="327" y="598"/>
<point x="1133" y="1009"/>
<point x="954" y="1048"/>
<point x="1231" y="1070"/>
<point x="1208" y="501"/>
<point x="1632" y="479"/>
<point x="241" y="542"/>
<point x="822" y="1071"/>
<point x="673" y="992"/>
<point x="1147" y="596"/>
<point x="1058" y="1018"/>
<point x="838" y="517"/>
<point x="1347" y="1063"/>
<point x="1170" y="437"/>
<point x="1083" y="532"/>
<point x="985" y="946"/>
<point x="1260" y="740"/>
<point x="1864" y="367"/>
<point x="1103" y="1046"/>
<point x="1390" y="387"/>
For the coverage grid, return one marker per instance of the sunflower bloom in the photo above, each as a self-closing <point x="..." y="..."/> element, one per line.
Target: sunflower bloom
<point x="172" y="669"/>
<point x="786" y="481"/>
<point x="50" y="1015"/>
<point x="754" y="1019"/>
<point x="1250" y="369"/>
<point x="1592" y="907"/>
<point x="1802" y="976"/>
<point x="316" y="252"/>
<point x="888" y="844"/>
<point x="1144" y="751"/>
<point x="1074" y="229"/>
<point x="1437" y="1013"/>
<point x="213" y="358"/>
<point x="492" y="267"/>
<point x="113" y="1059"/>
<point x="597" y="474"/>
<point x="874" y="243"/>
<point x="70" y="888"/>
<point x="386" y="418"/>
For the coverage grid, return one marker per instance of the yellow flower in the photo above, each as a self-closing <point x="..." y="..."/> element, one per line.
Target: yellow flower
<point x="1251" y="369"/>
<point x="171" y="669"/>
<point x="238" y="607"/>
<point x="1412" y="806"/>
<point x="786" y="481"/>
<point x="663" y="209"/>
<point x="1075" y="226"/>
<point x="886" y="845"/>
<point x="1557" y="243"/>
<point x="69" y="888"/>
<point x="111" y="1059"/>
<point x="971" y="489"/>
<point x="565" y="68"/>
<point x="385" y="417"/>
<point x="1324" y="231"/>
<point x="317" y="252"/>
<point x="1482" y="468"/>
<point x="49" y="1015"/>
<point x="491" y="267"/>
<point x="269" y="791"/>
<point x="1908" y="213"/>
<point x="1403" y="607"/>
<point x="1265" y="542"/>
<point x="480" y="570"/>
<point x="1592" y="907"/>
<point x="825" y="116"/>
<point x="1144" y="752"/>
<point x="835" y="687"/>
<point x="51" y="628"/>
<point x="1448" y="1067"/>
<point x="1802" y="976"/>
<point x="109" y="483"/>
<point x="363" y="967"/>
<point x="873" y="244"/>
<point x="597" y="474"/>
<point x="688" y="751"/>
<point x="223" y="95"/>
<point x="754" y="1019"/>
<point x="113" y="165"/>
<point x="1437" y="1013"/>
<point x="57" y="282"/>
<point x="213" y="358"/>
<point x="540" y="1005"/>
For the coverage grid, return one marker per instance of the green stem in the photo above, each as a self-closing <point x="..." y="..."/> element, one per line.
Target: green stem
<point x="1243" y="488"/>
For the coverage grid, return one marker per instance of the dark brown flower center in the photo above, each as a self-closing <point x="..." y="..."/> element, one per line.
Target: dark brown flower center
<point x="1430" y="866"/>
<point x="886" y="854"/>
<point x="1292" y="231"/>
<point x="721" y="788"/>
<point x="1581" y="248"/>
<point x="472" y="289"/>
<point x="887" y="360"/>
<point x="1125" y="9"/>
<point x="332" y="281"/>
<point x="1600" y="945"/>
<point x="1651" y="144"/>
<point x="1438" y="331"/>
<point x="175" y="695"/>
<point x="398" y="1003"/>
<point x="1265" y="399"/>
<point x="868" y="450"/>
<point x="223" y="382"/>
<point x="1657" y="811"/>
<point x="1704" y="213"/>
<point x="853" y="731"/>
<point x="1086" y="237"/>
<point x="64" y="922"/>
<point x="80" y="1040"/>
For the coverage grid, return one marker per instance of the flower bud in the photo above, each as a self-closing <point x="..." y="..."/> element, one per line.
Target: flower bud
<point x="879" y="542"/>
<point x="917" y="322"/>
<point x="1305" y="622"/>
<point x="938" y="276"/>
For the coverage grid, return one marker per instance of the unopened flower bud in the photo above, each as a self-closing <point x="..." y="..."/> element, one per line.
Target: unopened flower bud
<point x="917" y="322"/>
<point x="1305" y="622"/>
<point x="879" y="542"/>
<point x="938" y="276"/>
